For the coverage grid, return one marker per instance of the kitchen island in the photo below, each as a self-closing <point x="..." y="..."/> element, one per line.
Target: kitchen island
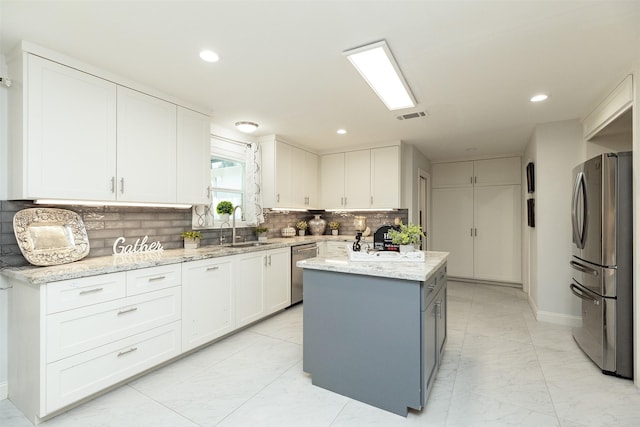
<point x="375" y="331"/>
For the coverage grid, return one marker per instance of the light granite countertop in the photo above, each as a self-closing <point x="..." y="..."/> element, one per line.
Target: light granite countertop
<point x="395" y="269"/>
<point x="115" y="263"/>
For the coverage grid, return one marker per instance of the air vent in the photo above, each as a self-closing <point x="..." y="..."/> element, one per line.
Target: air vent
<point x="412" y="115"/>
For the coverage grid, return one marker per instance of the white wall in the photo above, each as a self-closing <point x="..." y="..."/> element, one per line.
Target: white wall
<point x="412" y="160"/>
<point x="556" y="148"/>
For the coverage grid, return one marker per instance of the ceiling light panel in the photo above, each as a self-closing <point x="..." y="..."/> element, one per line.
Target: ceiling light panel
<point x="377" y="66"/>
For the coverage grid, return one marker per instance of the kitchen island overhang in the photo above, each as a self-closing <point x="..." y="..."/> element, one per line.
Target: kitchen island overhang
<point x="375" y="331"/>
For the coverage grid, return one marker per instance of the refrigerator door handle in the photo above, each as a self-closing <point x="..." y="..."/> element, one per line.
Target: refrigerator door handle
<point x="578" y="229"/>
<point x="583" y="268"/>
<point x="581" y="293"/>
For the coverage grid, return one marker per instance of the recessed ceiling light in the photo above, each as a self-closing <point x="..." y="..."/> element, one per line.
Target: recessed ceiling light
<point x="209" y="56"/>
<point x="246" y="127"/>
<point x="539" y="98"/>
<point x="376" y="65"/>
<point x="341" y="131"/>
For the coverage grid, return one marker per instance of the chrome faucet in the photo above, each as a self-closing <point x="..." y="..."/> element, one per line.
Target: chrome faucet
<point x="233" y="228"/>
<point x="222" y="235"/>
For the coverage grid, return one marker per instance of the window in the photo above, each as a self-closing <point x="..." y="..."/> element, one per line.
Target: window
<point x="227" y="183"/>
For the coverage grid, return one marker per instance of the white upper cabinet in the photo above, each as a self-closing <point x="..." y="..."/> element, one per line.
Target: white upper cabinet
<point x="357" y="179"/>
<point x="500" y="171"/>
<point x="146" y="148"/>
<point x="193" y="161"/>
<point x="332" y="181"/>
<point x="77" y="136"/>
<point x="458" y="174"/>
<point x="362" y="179"/>
<point x="69" y="146"/>
<point x="385" y="177"/>
<point x="289" y="175"/>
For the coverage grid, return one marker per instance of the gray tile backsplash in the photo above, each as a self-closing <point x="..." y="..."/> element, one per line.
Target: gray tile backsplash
<point x="105" y="224"/>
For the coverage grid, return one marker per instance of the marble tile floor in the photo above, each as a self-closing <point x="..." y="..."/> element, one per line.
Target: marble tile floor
<point x="500" y="368"/>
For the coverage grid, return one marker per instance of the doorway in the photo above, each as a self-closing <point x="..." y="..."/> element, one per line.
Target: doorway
<point x="423" y="205"/>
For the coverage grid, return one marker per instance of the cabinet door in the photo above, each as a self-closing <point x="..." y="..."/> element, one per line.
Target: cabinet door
<point x="385" y="177"/>
<point x="71" y="131"/>
<point x="207" y="301"/>
<point x="452" y="210"/>
<point x="146" y="148"/>
<point x="278" y="280"/>
<point x="297" y="178"/>
<point x="332" y="180"/>
<point x="357" y="176"/>
<point x="248" y="274"/>
<point x="283" y="171"/>
<point x="497" y="243"/>
<point x="497" y="171"/>
<point x="193" y="160"/>
<point x="429" y="347"/>
<point x="311" y="179"/>
<point x="456" y="174"/>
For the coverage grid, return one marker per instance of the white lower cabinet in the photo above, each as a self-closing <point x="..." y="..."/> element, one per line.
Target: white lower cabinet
<point x="208" y="310"/>
<point x="78" y="376"/>
<point x="262" y="284"/>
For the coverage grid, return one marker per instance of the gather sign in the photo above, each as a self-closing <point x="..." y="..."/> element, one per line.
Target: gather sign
<point x="140" y="246"/>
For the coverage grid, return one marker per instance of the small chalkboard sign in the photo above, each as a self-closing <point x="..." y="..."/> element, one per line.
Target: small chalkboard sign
<point x="381" y="240"/>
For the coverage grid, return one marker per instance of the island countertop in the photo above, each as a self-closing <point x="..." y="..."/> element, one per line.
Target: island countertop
<point x="395" y="269"/>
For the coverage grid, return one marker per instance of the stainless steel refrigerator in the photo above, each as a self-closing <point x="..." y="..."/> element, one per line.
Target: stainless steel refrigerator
<point x="601" y="218"/>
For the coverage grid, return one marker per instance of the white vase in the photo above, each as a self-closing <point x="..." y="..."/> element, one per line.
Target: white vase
<point x="406" y="248"/>
<point x="224" y="217"/>
<point x="301" y="232"/>
<point x="334" y="232"/>
<point x="191" y="243"/>
<point x="262" y="237"/>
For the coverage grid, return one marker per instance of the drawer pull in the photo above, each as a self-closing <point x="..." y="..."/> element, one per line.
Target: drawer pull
<point x="131" y="350"/>
<point x="212" y="268"/>
<point x="154" y="279"/>
<point x="91" y="291"/>
<point x="128" y="310"/>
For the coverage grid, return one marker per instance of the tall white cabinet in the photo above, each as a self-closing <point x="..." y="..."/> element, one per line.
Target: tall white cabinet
<point x="476" y="214"/>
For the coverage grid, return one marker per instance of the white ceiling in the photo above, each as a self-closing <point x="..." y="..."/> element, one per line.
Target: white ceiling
<point x="471" y="65"/>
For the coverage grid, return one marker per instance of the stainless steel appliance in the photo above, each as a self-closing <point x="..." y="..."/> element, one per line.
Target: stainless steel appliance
<point x="601" y="218"/>
<point x="298" y="253"/>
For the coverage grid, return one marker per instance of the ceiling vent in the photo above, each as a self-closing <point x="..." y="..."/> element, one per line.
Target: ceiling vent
<point x="412" y="115"/>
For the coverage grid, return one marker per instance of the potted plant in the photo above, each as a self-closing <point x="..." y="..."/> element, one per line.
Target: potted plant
<point x="302" y="227"/>
<point x="224" y="209"/>
<point x="262" y="233"/>
<point x="191" y="239"/>
<point x="407" y="236"/>
<point x="335" y="227"/>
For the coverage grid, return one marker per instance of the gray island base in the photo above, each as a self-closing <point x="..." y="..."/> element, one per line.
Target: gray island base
<point x="371" y="337"/>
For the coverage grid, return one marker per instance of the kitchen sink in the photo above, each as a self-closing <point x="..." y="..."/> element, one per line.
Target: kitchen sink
<point x="249" y="244"/>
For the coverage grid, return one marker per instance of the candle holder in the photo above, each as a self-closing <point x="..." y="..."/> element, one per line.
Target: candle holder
<point x="360" y="224"/>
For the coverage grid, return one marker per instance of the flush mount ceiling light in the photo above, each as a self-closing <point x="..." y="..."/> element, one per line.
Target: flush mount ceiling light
<point x="209" y="56"/>
<point x="377" y="66"/>
<point x="341" y="131"/>
<point x="539" y="97"/>
<point x="246" y="127"/>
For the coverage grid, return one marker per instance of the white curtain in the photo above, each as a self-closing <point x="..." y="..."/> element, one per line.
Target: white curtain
<point x="253" y="163"/>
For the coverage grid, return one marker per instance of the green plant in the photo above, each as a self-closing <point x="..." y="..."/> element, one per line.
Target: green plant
<point x="224" y="207"/>
<point x="302" y="225"/>
<point x="334" y="225"/>
<point x="260" y="229"/>
<point x="409" y="234"/>
<point x="191" y="235"/>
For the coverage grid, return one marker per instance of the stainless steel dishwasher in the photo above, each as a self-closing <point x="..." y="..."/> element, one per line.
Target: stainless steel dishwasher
<point x="298" y="253"/>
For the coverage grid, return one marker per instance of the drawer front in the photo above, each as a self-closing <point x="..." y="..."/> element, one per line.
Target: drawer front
<point x="74" y="331"/>
<point x="74" y="293"/>
<point x="153" y="278"/>
<point x="74" y="378"/>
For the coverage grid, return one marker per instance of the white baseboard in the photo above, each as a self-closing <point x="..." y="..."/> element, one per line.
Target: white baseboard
<point x="4" y="390"/>
<point x="556" y="318"/>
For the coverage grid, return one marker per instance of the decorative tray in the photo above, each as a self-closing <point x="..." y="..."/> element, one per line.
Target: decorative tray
<point x="378" y="256"/>
<point x="49" y="236"/>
